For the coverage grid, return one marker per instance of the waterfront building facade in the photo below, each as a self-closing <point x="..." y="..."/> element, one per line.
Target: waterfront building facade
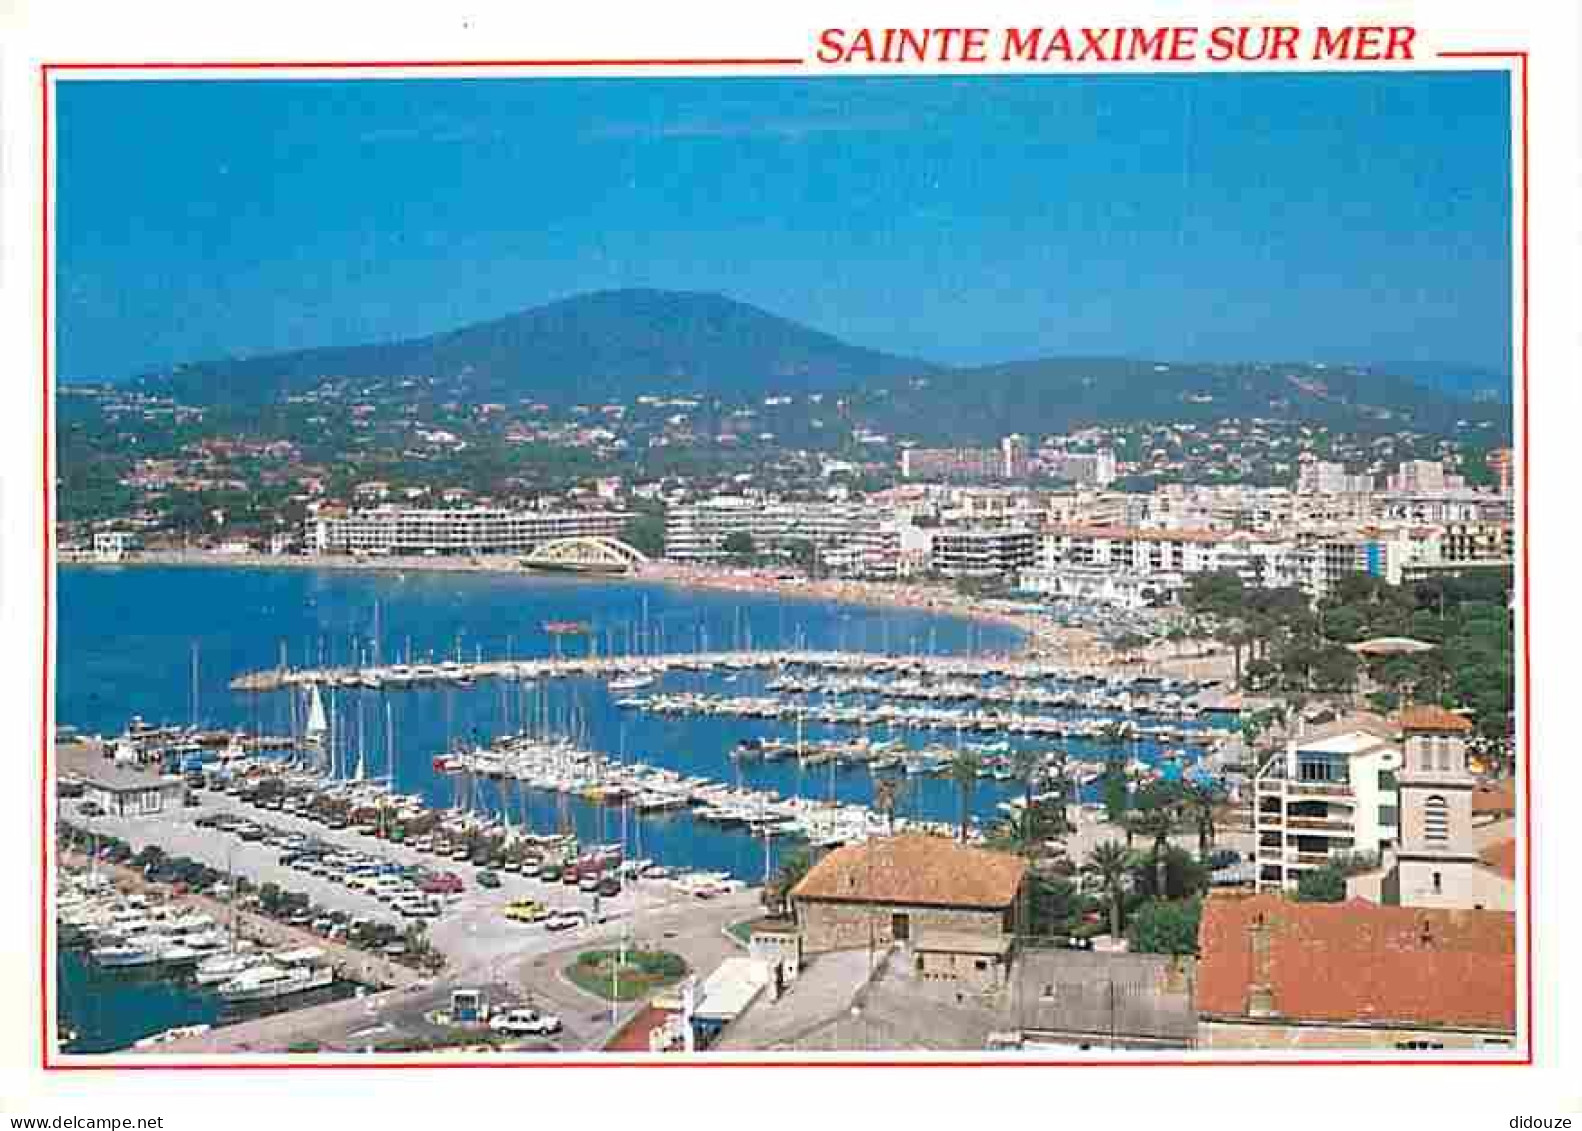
<point x="851" y="537"/>
<point x="392" y="530"/>
<point x="985" y="552"/>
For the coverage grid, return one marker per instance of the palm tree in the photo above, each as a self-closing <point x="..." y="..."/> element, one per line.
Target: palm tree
<point x="1200" y="799"/>
<point x="1156" y="823"/>
<point x="1027" y="767"/>
<point x="792" y="868"/>
<point x="884" y="790"/>
<point x="964" y="772"/>
<point x="1108" y="862"/>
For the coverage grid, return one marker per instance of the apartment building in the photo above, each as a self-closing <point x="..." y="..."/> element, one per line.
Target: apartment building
<point x="1132" y="548"/>
<point x="1331" y="792"/>
<point x="393" y="530"/>
<point x="856" y="538"/>
<point x="1479" y="542"/>
<point x="952" y="463"/>
<point x="1089" y="469"/>
<point x="983" y="551"/>
<point x="1424" y="477"/>
<point x="1321" y="477"/>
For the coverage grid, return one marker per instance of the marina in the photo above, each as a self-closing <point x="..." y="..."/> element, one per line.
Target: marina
<point x="681" y="772"/>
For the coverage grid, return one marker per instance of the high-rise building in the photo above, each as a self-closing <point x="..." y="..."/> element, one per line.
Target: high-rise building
<point x="1013" y="457"/>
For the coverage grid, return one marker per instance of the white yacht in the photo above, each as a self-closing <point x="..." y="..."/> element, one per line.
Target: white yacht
<point x="268" y="981"/>
<point x="129" y="954"/>
<point x="218" y="968"/>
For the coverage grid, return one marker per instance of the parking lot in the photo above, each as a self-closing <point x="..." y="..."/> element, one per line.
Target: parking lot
<point x="468" y="926"/>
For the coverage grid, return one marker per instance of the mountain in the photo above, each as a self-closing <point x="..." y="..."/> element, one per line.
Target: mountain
<point x="604" y="345"/>
<point x="616" y="345"/>
<point x="1053" y="395"/>
<point x="1469" y="382"/>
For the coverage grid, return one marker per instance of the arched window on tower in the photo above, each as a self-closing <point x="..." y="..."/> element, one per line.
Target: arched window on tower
<point x="1436" y="820"/>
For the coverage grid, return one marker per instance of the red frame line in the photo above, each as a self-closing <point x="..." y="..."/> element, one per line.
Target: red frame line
<point x="1519" y="58"/>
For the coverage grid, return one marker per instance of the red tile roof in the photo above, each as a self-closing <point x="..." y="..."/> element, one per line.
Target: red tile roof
<point x="1429" y="717"/>
<point x="1500" y="857"/>
<point x="915" y="868"/>
<point x="1359" y="962"/>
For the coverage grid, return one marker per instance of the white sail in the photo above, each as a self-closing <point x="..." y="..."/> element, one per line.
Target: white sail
<point x="317" y="724"/>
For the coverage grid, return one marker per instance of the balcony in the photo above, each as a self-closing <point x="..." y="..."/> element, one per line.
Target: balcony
<point x="1319" y="824"/>
<point x="1333" y="790"/>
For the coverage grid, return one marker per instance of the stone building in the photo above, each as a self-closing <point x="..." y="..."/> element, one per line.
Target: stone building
<point x="977" y="963"/>
<point x="889" y="889"/>
<point x="1275" y="973"/>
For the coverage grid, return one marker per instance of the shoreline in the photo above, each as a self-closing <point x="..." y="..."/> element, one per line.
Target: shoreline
<point x="1038" y="636"/>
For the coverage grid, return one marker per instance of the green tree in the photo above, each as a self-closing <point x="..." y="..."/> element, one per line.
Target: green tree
<point x="804" y="554"/>
<point x="1113" y="788"/>
<point x="964" y="772"/>
<point x="1155" y="817"/>
<point x="1054" y="906"/>
<point x="777" y="893"/>
<point x="1171" y="874"/>
<point x="1165" y="927"/>
<point x="1321" y="885"/>
<point x="1201" y="799"/>
<point x="739" y="545"/>
<point x="645" y="533"/>
<point x="1108" y="864"/>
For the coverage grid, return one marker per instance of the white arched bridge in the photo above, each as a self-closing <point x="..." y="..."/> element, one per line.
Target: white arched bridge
<point x="586" y="554"/>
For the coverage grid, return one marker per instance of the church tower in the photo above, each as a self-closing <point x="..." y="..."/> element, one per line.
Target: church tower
<point x="1437" y="860"/>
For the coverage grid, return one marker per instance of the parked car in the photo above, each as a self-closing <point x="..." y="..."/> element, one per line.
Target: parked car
<point x="525" y="1022"/>
<point x="566" y="921"/>
<point x="488" y="879"/>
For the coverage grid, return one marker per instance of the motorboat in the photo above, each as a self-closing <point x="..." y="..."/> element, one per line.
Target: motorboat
<point x="269" y="981"/>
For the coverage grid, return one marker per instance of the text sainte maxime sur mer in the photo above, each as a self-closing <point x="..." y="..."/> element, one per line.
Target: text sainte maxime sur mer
<point x="1267" y="43"/>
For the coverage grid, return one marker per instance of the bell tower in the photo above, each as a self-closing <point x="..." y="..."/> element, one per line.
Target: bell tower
<point x="1437" y="859"/>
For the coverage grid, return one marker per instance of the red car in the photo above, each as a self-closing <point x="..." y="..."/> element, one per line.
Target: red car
<point x="449" y="883"/>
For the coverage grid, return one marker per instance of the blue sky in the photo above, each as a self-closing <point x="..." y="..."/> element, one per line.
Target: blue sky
<point x="1323" y="217"/>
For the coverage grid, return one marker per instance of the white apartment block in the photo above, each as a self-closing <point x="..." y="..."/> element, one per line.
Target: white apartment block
<point x="1089" y="469"/>
<point x="856" y="537"/>
<point x="1101" y="585"/>
<point x="1132" y="548"/>
<point x="1424" y="477"/>
<point x="392" y="530"/>
<point x="1330" y="793"/>
<point x="1321" y="477"/>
